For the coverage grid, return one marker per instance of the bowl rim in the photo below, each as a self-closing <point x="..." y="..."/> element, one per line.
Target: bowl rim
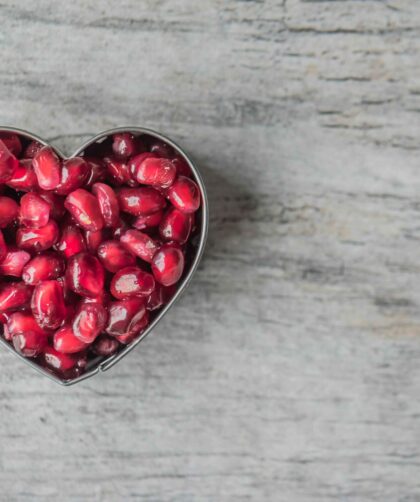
<point x="110" y="361"/>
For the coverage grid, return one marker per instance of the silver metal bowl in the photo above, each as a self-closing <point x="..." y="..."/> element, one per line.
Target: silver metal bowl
<point x="94" y="367"/>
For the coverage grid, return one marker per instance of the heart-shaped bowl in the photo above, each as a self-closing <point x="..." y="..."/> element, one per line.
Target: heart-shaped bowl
<point x="97" y="365"/>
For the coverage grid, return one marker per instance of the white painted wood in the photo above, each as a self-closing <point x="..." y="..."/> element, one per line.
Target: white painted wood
<point x="290" y="370"/>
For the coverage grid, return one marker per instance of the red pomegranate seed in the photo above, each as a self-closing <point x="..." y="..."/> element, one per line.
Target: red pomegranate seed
<point x="43" y="267"/>
<point x="71" y="241"/>
<point x="37" y="239"/>
<point x="48" y="305"/>
<point x="56" y="204"/>
<point x="9" y="211"/>
<point x="32" y="149"/>
<point x="140" y="244"/>
<point x="162" y="149"/>
<point x="121" y="228"/>
<point x="140" y="201"/>
<point x="89" y="321"/>
<point x="168" y="265"/>
<point x="58" y="361"/>
<point x="158" y="172"/>
<point x="148" y="221"/>
<point x="3" y="247"/>
<point x="74" y="173"/>
<point x="123" y="145"/>
<point x="105" y="346"/>
<point x="182" y="167"/>
<point x="184" y="194"/>
<point x="30" y="343"/>
<point x="94" y="239"/>
<point x="34" y="210"/>
<point x="12" y="141"/>
<point x="14" y="296"/>
<point x="97" y="170"/>
<point x="14" y="262"/>
<point x="135" y="162"/>
<point x="66" y="343"/>
<point x="140" y="326"/>
<point x="108" y="204"/>
<point x="23" y="178"/>
<point x="20" y="322"/>
<point x="114" y="256"/>
<point x="85" y="275"/>
<point x="8" y="163"/>
<point x="176" y="226"/>
<point x="84" y="208"/>
<point x="117" y="171"/>
<point x="131" y="281"/>
<point x="47" y="168"/>
<point x="125" y="316"/>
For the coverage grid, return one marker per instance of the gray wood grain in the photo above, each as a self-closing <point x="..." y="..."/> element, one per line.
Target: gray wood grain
<point x="290" y="370"/>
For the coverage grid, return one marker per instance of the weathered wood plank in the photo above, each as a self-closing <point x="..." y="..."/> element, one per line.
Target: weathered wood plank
<point x="290" y="370"/>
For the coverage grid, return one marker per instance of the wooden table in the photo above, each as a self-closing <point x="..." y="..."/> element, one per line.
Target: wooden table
<point x="290" y="370"/>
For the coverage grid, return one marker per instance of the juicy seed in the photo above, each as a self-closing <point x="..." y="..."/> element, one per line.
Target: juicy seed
<point x="47" y="167"/>
<point x="84" y="208"/>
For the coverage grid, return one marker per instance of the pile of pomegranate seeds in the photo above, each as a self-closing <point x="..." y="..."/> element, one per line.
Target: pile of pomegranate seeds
<point x="90" y="247"/>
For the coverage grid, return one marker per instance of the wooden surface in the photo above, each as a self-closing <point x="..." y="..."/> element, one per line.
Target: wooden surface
<point x="290" y="370"/>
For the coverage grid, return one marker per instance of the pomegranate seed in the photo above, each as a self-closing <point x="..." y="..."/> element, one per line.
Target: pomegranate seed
<point x="84" y="208"/>
<point x="71" y="241"/>
<point x="135" y="162"/>
<point x="43" y="267"/>
<point x="56" y="204"/>
<point x="34" y="210"/>
<point x="30" y="343"/>
<point x="131" y="281"/>
<point x="58" y="361"/>
<point x="14" y="262"/>
<point x="140" y="244"/>
<point x="94" y="239"/>
<point x="121" y="228"/>
<point x="6" y="333"/>
<point x="176" y="226"/>
<point x="125" y="316"/>
<point x="182" y="167"/>
<point x="24" y="177"/>
<point x="140" y="201"/>
<point x="168" y="265"/>
<point x="161" y="149"/>
<point x="159" y="172"/>
<point x="118" y="171"/>
<point x="38" y="239"/>
<point x="148" y="221"/>
<point x="47" y="168"/>
<point x="9" y="211"/>
<point x="66" y="343"/>
<point x="21" y="322"/>
<point x="32" y="149"/>
<point x="8" y="163"/>
<point x="155" y="300"/>
<point x="96" y="170"/>
<point x="12" y="142"/>
<point x="105" y="346"/>
<point x="48" y="305"/>
<point x="114" y="256"/>
<point x="85" y="275"/>
<point x="74" y="173"/>
<point x="14" y="296"/>
<point x="108" y="204"/>
<point x="123" y="145"/>
<point x="89" y="321"/>
<point x="3" y="247"/>
<point x="140" y="326"/>
<point x="184" y="194"/>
